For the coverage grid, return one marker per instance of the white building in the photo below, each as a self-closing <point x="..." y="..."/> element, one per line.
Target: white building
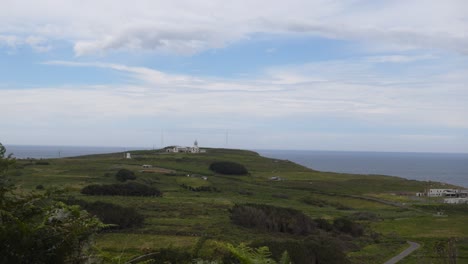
<point x="128" y="155"/>
<point x="456" y="200"/>
<point x="443" y="193"/>
<point x="193" y="149"/>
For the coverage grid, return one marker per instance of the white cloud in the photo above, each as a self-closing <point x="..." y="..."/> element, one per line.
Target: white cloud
<point x="37" y="43"/>
<point x="187" y="27"/>
<point x="353" y="90"/>
<point x="9" y="41"/>
<point x="331" y="91"/>
<point x="399" y="58"/>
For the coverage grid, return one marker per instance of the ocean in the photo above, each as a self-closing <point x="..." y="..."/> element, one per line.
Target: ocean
<point x="442" y="167"/>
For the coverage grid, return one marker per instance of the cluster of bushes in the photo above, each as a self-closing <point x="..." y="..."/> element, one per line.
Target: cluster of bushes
<point x="285" y="220"/>
<point x="228" y="168"/>
<point x="200" y="188"/>
<point x="272" y="218"/>
<point x="124" y="175"/>
<point x="348" y="226"/>
<point x="128" y="189"/>
<point x="42" y="163"/>
<point x="324" y="203"/>
<point x="118" y="217"/>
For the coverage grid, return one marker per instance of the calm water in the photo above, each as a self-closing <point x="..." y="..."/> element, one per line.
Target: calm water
<point x="449" y="168"/>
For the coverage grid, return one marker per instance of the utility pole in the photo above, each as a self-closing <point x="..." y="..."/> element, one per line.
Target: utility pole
<point x="227" y="137"/>
<point x="162" y="138"/>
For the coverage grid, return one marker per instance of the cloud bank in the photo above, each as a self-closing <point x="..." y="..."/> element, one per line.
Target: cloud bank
<point x="188" y="27"/>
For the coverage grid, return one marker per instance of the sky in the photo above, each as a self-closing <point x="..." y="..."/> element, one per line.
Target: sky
<point x="355" y="75"/>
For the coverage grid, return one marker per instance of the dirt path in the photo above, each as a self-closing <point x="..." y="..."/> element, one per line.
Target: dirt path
<point x="413" y="246"/>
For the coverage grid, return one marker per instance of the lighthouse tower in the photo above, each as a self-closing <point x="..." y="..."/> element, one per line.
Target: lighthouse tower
<point x="195" y="148"/>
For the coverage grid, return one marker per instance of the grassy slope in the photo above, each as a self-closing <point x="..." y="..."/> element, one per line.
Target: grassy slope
<point x="181" y="216"/>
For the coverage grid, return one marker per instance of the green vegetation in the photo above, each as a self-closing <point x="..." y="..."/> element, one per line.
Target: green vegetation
<point x="37" y="228"/>
<point x="128" y="189"/>
<point x="125" y="175"/>
<point x="345" y="217"/>
<point x="228" y="168"/>
<point x="113" y="215"/>
<point x="272" y="219"/>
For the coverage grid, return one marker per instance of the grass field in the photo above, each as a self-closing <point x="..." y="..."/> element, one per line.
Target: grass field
<point x="182" y="216"/>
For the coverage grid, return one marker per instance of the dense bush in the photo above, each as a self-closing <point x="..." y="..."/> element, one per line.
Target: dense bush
<point x="36" y="228"/>
<point x="124" y="175"/>
<point x="324" y="224"/>
<point x="118" y="216"/>
<point x="199" y="188"/>
<point x="272" y="218"/>
<point x="42" y="163"/>
<point x="228" y="168"/>
<point x="346" y="225"/>
<point x="128" y="189"/>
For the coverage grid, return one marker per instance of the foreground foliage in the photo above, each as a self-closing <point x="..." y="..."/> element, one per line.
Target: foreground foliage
<point x="36" y="228"/>
<point x="114" y="216"/>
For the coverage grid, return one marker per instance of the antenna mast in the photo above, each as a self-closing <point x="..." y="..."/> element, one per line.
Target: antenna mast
<point x="227" y="137"/>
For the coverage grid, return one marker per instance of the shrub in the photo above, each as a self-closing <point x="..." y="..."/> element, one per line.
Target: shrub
<point x="324" y="224"/>
<point x="128" y="189"/>
<point x="118" y="216"/>
<point x="228" y="168"/>
<point x="42" y="163"/>
<point x="124" y="175"/>
<point x="346" y="225"/>
<point x="40" y="187"/>
<point x="272" y="218"/>
<point x="200" y="188"/>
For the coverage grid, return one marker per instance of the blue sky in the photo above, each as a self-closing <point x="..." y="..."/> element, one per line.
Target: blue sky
<point x="323" y="74"/>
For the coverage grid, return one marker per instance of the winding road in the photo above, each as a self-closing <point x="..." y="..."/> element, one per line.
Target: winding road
<point x="413" y="246"/>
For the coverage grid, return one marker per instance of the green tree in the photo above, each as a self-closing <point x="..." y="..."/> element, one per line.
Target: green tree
<point x="5" y="163"/>
<point x="124" y="175"/>
<point x="36" y="228"/>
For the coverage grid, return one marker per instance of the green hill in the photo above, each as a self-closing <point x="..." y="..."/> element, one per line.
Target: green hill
<point x="196" y="204"/>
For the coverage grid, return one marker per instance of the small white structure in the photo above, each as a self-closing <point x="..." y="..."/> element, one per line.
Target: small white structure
<point x="128" y="155"/>
<point x="146" y="166"/>
<point x="456" y="200"/>
<point x="204" y="178"/>
<point x="275" y="178"/>
<point x="193" y="149"/>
